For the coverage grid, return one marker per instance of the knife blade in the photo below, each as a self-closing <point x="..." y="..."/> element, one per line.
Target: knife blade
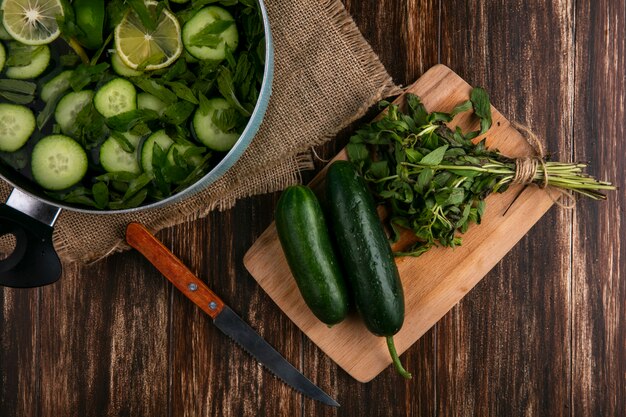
<point x="223" y="317"/>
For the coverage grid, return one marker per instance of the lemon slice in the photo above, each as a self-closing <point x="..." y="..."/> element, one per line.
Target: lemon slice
<point x="137" y="45"/>
<point x="32" y="22"/>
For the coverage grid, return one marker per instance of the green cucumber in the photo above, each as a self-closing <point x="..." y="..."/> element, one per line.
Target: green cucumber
<point x="40" y="60"/>
<point x="182" y="152"/>
<point x="366" y="254"/>
<point x="58" y="162"/>
<point x="58" y="85"/>
<point x="68" y="108"/>
<point x="147" y="151"/>
<point x="208" y="32"/>
<point x="17" y="123"/>
<point x="114" y="158"/>
<point x="148" y="101"/>
<point x="208" y="132"/>
<point x="115" y="97"/>
<point x="306" y="243"/>
<point x="122" y="69"/>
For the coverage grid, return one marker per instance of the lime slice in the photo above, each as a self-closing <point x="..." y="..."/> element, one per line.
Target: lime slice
<point x="32" y="22"/>
<point x="136" y="45"/>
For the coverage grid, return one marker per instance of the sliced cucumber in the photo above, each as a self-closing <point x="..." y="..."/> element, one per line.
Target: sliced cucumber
<point x="56" y="86"/>
<point x="122" y="69"/>
<point x="148" y="101"/>
<point x="3" y="56"/>
<point x="206" y="130"/>
<point x="164" y="142"/>
<point x="58" y="162"/>
<point x="208" y="32"/>
<point x="69" y="106"/>
<point x="38" y="64"/>
<point x="115" y="97"/>
<point x="114" y="158"/>
<point x="179" y="150"/>
<point x="17" y="123"/>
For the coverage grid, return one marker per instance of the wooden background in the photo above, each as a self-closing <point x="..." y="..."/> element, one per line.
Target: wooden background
<point x="544" y="334"/>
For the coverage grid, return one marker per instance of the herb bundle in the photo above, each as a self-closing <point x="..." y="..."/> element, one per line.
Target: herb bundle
<point x="434" y="180"/>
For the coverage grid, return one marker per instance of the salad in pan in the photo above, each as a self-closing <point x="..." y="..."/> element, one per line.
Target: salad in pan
<point x="114" y="104"/>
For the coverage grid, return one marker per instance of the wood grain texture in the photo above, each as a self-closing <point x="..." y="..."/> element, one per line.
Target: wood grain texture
<point x="512" y="334"/>
<point x="599" y="255"/>
<point x="542" y="334"/>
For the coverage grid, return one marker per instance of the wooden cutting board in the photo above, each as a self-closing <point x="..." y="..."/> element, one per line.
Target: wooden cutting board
<point x="434" y="282"/>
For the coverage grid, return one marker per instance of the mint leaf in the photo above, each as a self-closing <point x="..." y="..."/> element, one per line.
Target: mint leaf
<point x="435" y="157"/>
<point x="226" y="87"/>
<point x="482" y="108"/>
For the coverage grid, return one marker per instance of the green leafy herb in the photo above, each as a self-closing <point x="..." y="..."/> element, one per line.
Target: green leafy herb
<point x="227" y="120"/>
<point x="17" y="91"/>
<point x="20" y="55"/>
<point x="100" y="193"/>
<point x="126" y="121"/>
<point x="182" y="91"/>
<point x="482" y="108"/>
<point x="434" y="180"/>
<point x="209" y="35"/>
<point x="148" y="17"/>
<point x="226" y="86"/>
<point x="86" y="74"/>
<point x="151" y="86"/>
<point x="178" y="112"/>
<point x="123" y="142"/>
<point x="90" y="129"/>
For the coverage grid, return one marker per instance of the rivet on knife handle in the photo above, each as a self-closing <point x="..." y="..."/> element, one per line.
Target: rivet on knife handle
<point x="173" y="269"/>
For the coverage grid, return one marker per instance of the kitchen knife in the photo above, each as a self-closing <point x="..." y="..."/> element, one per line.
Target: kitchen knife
<point x="223" y="317"/>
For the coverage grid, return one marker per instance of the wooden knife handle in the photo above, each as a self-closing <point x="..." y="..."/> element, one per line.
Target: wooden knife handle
<point x="173" y="269"/>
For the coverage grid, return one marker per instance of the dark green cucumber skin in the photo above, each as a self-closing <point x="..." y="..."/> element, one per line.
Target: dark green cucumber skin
<point x="305" y="239"/>
<point x="364" y="250"/>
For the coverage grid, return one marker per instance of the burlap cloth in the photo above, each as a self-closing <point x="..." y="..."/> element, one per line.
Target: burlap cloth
<point x="326" y="76"/>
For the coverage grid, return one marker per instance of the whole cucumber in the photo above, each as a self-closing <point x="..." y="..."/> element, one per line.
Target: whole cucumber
<point x="366" y="254"/>
<point x="306" y="242"/>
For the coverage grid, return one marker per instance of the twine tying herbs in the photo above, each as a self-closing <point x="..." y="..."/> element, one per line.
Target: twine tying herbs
<point x="434" y="180"/>
<point x="526" y="167"/>
<point x="526" y="170"/>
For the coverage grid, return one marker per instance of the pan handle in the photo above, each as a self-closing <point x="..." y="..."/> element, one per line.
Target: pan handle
<point x="33" y="262"/>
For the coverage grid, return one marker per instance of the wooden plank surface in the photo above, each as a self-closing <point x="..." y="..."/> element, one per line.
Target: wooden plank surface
<point x="513" y="332"/>
<point x="434" y="282"/>
<point x="533" y="338"/>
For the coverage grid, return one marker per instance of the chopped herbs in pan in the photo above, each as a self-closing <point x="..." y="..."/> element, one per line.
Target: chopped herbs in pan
<point x="142" y="98"/>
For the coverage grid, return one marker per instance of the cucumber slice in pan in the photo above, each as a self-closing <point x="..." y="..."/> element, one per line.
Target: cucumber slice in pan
<point x="163" y="140"/>
<point x="115" y="97"/>
<point x="148" y="101"/>
<point x="122" y="69"/>
<point x="69" y="106"/>
<point x="208" y="133"/>
<point x="58" y="162"/>
<point x="17" y="123"/>
<point x="38" y="64"/>
<point x="219" y="30"/>
<point x="114" y="158"/>
<point x="57" y="85"/>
